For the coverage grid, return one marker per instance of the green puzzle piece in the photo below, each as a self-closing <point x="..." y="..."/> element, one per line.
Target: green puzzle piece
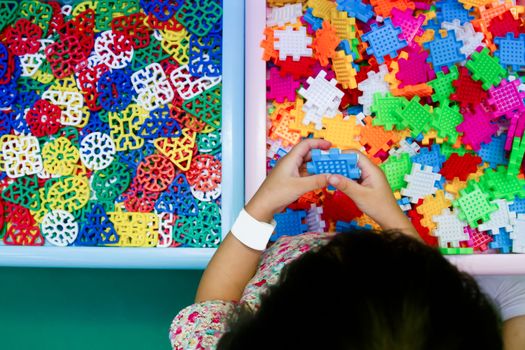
<point x="206" y="106"/>
<point x="384" y="108"/>
<point x="486" y="68"/>
<point x="502" y="185"/>
<point x="395" y="169"/>
<point x="447" y="118"/>
<point x="8" y="12"/>
<point x="474" y="205"/>
<point x="415" y="116"/>
<point x="442" y="85"/>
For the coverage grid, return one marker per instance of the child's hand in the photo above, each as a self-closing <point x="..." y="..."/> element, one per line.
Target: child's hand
<point x="287" y="181"/>
<point x="372" y="194"/>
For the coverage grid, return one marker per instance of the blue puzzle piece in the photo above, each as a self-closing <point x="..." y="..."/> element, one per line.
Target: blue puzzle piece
<point x="449" y="10"/>
<point x="5" y="125"/>
<point x="178" y="199"/>
<point x="8" y="94"/>
<point x="444" y="51"/>
<point x="206" y="55"/>
<point x="115" y="90"/>
<point x="501" y="242"/>
<point x="494" y="152"/>
<point x="132" y="158"/>
<point x="334" y="162"/>
<point x="97" y="229"/>
<point x="384" y="40"/>
<point x="95" y="125"/>
<point x="164" y="10"/>
<point x="4" y="60"/>
<point x="351" y="226"/>
<point x="518" y="205"/>
<point x="357" y="9"/>
<point x="355" y="110"/>
<point x="289" y="223"/>
<point x="160" y="124"/>
<point x="432" y="158"/>
<point x="511" y="51"/>
<point x="315" y="22"/>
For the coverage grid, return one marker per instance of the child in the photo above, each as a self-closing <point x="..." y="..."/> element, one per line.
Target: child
<point x="359" y="290"/>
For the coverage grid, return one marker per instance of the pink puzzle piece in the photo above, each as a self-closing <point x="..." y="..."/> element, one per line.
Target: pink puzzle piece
<point x="506" y="99"/>
<point x="281" y="88"/>
<point x="477" y="128"/>
<point x="410" y="26"/>
<point x="414" y="70"/>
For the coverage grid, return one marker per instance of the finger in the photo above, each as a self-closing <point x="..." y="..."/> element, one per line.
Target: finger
<point x="368" y="168"/>
<point x="301" y="151"/>
<point x="345" y="185"/>
<point x="314" y="182"/>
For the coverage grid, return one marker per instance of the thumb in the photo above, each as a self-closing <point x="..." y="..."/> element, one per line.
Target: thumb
<point x="314" y="182"/>
<point x="345" y="185"/>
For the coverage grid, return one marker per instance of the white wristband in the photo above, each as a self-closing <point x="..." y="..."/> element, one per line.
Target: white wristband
<point x="252" y="233"/>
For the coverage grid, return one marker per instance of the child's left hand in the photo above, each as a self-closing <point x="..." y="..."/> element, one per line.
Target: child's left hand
<point x="287" y="181"/>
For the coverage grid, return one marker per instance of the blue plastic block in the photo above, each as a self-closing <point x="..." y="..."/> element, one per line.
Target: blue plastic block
<point x="345" y="227"/>
<point x="97" y="229"/>
<point x="383" y="40"/>
<point x="345" y="46"/>
<point x="132" y="158"/>
<point x="334" y="162"/>
<point x="8" y="94"/>
<point x="18" y="122"/>
<point x="4" y="59"/>
<point x="445" y="51"/>
<point x="160" y="124"/>
<point x="289" y="223"/>
<point x="518" y="205"/>
<point x="205" y="55"/>
<point x="315" y="22"/>
<point x="356" y="8"/>
<point x="355" y="110"/>
<point x="449" y="10"/>
<point x="511" y="51"/>
<point x="164" y="10"/>
<point x="429" y="157"/>
<point x="178" y="199"/>
<point x="95" y="125"/>
<point x="501" y="242"/>
<point x="404" y="204"/>
<point x="494" y="152"/>
<point x="433" y="24"/>
<point x="115" y="90"/>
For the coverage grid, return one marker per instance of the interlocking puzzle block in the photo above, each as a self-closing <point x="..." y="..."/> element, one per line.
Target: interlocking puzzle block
<point x="314" y="219"/>
<point x="24" y="192"/>
<point x="502" y="242"/>
<point x="384" y="8"/>
<point x="281" y="88"/>
<point x="384" y="108"/>
<point x="421" y="182"/>
<point x="504" y="24"/>
<point x="325" y="43"/>
<point x="430" y="157"/>
<point x="351" y="226"/>
<point x="288" y="14"/>
<point x="289" y="223"/>
<point x="468" y="92"/>
<point x="415" y="116"/>
<point x="424" y="232"/>
<point x="135" y="229"/>
<point x="511" y="51"/>
<point x="297" y="69"/>
<point x="444" y="51"/>
<point x="516" y="156"/>
<point x="356" y="8"/>
<point x="294" y="43"/>
<point x="344" y="25"/>
<point x="494" y="152"/>
<point x="413" y="68"/>
<point x="374" y="83"/>
<point x="502" y="218"/>
<point x="384" y="40"/>
<point x="339" y="207"/>
<point x="517" y="205"/>
<point x="178" y="199"/>
<point x="447" y="118"/>
<point x="411" y="148"/>
<point x="479" y="241"/>
<point x="21" y="156"/>
<point x="342" y="133"/>
<point x="281" y="130"/>
<point x="321" y="8"/>
<point x="518" y="235"/>
<point x="477" y="128"/>
<point x="377" y="140"/>
<point x="315" y="22"/>
<point x="486" y="68"/>
<point x="474" y="205"/>
<point x="467" y="34"/>
<point x="460" y="167"/>
<point x="323" y="99"/>
<point x="125" y="126"/>
<point x="411" y="27"/>
<point x="199" y="17"/>
<point x="450" y="229"/>
<point x="432" y="205"/>
<point x="395" y="169"/>
<point x="506" y="99"/>
<point x="334" y="162"/>
<point x="449" y="10"/>
<point x="344" y="70"/>
<point x="503" y="185"/>
<point x="203" y="231"/>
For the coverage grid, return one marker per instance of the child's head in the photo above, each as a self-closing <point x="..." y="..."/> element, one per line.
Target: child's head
<point x="370" y="291"/>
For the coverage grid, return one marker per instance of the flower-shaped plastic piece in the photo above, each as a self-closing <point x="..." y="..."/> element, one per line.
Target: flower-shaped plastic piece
<point x="59" y="228"/>
<point x="155" y="173"/>
<point x="204" y="173"/>
<point x="60" y="156"/>
<point x="23" y="37"/>
<point x="97" y="151"/>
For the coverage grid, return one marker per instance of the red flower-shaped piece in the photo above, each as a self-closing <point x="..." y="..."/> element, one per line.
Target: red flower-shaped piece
<point x="44" y="118"/>
<point x="23" y="37"/>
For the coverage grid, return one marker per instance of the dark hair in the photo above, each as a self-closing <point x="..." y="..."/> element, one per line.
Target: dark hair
<point x="369" y="290"/>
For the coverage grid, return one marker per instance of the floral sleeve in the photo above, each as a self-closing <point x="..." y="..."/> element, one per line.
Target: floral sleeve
<point x="200" y="326"/>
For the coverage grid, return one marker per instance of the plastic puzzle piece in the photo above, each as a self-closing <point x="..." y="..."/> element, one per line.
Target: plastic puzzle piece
<point x="504" y="24"/>
<point x="199" y="17"/>
<point x="23" y="37"/>
<point x="468" y="92"/>
<point x="466" y="33"/>
<point x="494" y="152"/>
<point x="518" y="235"/>
<point x="410" y="27"/>
<point x="179" y="150"/>
<point x="413" y="69"/>
<point x="446" y="120"/>
<point x="374" y="83"/>
<point x="511" y="51"/>
<point x="138" y="199"/>
<point x="421" y="182"/>
<point x="334" y="162"/>
<point x="502" y="242"/>
<point x="506" y="99"/>
<point x="357" y="9"/>
<point x="155" y="173"/>
<point x="64" y="56"/>
<point x="71" y="104"/>
<point x="450" y="229"/>
<point x="188" y="86"/>
<point x="60" y="156"/>
<point x="502" y="218"/>
<point x="324" y="44"/>
<point x="289" y="223"/>
<point x="460" y="167"/>
<point x="59" y="228"/>
<point x="207" y="106"/>
<point x="24" y="192"/>
<point x="281" y="88"/>
<point x="292" y="43"/>
<point x="479" y="241"/>
<point x="178" y="199"/>
<point x="321" y="8"/>
<point x="152" y="87"/>
<point x="449" y="10"/>
<point x="344" y="70"/>
<point x="44" y="118"/>
<point x="21" y="156"/>
<point x="166" y="224"/>
<point x="486" y="69"/>
<point x="24" y="235"/>
<point x="384" y="40"/>
<point x="376" y="139"/>
<point x="297" y="69"/>
<point x="115" y="50"/>
<point x="97" y="151"/>
<point x="160" y="124"/>
<point x="474" y="205"/>
<point x="280" y="16"/>
<point x="202" y="231"/>
<point x="503" y="185"/>
<point x="342" y="133"/>
<point x="444" y="51"/>
<point x="384" y="8"/>
<point x="430" y="157"/>
<point x="432" y="205"/>
<point x="135" y="229"/>
<point x="477" y="128"/>
<point x="132" y="26"/>
<point x="111" y="182"/>
<point x="68" y="193"/>
<point x="125" y="126"/>
<point x="384" y="108"/>
<point x="204" y="173"/>
<point x="205" y="55"/>
<point x="517" y="205"/>
<point x="8" y="12"/>
<point x="395" y="169"/>
<point x="314" y="219"/>
<point x="344" y="25"/>
<point x="415" y="116"/>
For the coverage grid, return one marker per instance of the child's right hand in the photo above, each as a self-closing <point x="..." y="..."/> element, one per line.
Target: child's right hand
<point x="372" y="195"/>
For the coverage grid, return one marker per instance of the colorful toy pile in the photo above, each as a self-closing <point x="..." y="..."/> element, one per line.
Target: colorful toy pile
<point x="110" y="127"/>
<point x="430" y="91"/>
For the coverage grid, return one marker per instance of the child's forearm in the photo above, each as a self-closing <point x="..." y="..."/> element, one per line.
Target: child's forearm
<point x="514" y="333"/>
